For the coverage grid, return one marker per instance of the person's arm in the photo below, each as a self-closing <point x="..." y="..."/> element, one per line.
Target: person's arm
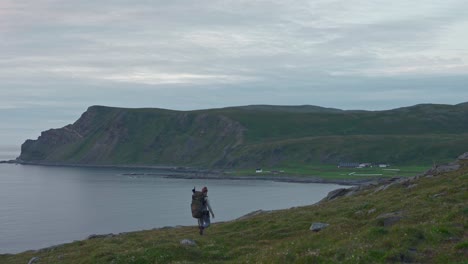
<point x="209" y="207"/>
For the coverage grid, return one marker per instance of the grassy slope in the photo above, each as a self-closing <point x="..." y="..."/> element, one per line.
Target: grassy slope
<point x="421" y="134"/>
<point x="259" y="136"/>
<point x="432" y="230"/>
<point x="393" y="149"/>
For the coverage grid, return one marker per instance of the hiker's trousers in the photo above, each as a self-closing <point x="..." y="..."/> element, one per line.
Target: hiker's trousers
<point x="204" y="221"/>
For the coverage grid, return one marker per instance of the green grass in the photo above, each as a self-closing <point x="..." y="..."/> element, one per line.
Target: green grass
<point x="333" y="172"/>
<point x="432" y="230"/>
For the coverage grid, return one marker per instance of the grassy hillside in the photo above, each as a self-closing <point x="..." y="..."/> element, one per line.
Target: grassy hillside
<point x="255" y="136"/>
<point x="416" y="220"/>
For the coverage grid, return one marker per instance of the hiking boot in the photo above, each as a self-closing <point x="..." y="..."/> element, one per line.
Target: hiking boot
<point x="201" y="230"/>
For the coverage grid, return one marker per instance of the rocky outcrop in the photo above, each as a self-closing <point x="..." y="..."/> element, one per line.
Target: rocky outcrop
<point x="343" y="192"/>
<point x="443" y="168"/>
<point x="316" y="227"/>
<point x="463" y="156"/>
<point x="94" y="236"/>
<point x="188" y="242"/>
<point x="389" y="219"/>
<point x="336" y="193"/>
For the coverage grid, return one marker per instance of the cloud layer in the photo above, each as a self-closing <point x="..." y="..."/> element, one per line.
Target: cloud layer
<point x="202" y="54"/>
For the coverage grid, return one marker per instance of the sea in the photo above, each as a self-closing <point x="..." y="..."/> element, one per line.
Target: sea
<point x="43" y="206"/>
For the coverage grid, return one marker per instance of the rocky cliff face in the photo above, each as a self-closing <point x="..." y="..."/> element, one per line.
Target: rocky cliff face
<point x="40" y="149"/>
<point x="104" y="135"/>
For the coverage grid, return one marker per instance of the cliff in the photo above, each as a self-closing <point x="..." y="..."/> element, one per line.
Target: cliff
<point x="105" y="135"/>
<point x="254" y="136"/>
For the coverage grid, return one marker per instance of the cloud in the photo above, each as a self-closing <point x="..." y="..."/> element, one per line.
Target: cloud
<point x="284" y="52"/>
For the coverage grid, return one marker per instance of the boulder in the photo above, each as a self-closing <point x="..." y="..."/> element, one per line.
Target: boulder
<point x="439" y="194"/>
<point x="336" y="193"/>
<point x="188" y="242"/>
<point x="318" y="226"/>
<point x="389" y="219"/>
<point x="463" y="156"/>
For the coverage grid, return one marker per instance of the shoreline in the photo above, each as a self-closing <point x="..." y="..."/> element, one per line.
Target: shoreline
<point x="179" y="172"/>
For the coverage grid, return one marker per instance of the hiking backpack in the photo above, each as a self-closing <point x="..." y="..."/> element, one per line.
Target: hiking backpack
<point x="198" y="201"/>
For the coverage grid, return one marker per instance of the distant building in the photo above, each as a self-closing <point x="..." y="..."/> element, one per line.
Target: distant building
<point x="384" y="165"/>
<point x="365" y="165"/>
<point x="348" y="165"/>
<point x="258" y="170"/>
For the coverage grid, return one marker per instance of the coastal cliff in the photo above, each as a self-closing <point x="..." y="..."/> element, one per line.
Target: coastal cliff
<point x="254" y="136"/>
<point x="104" y="135"/>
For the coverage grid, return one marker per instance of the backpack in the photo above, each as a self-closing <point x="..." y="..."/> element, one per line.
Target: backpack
<point x="198" y="201"/>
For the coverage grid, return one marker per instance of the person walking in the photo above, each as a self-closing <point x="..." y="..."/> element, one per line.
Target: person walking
<point x="204" y="221"/>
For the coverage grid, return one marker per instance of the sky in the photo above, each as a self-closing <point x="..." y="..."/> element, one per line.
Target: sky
<point x="58" y="57"/>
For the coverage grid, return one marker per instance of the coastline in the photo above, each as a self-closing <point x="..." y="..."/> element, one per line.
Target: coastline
<point x="191" y="173"/>
<point x="179" y="172"/>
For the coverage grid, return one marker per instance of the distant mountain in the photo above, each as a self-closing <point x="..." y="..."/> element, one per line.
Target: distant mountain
<point x="292" y="109"/>
<point x="255" y="136"/>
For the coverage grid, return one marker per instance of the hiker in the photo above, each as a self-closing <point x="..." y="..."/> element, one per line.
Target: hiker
<point x="201" y="208"/>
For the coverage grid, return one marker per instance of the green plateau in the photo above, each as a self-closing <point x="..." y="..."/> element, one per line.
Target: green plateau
<point x="242" y="138"/>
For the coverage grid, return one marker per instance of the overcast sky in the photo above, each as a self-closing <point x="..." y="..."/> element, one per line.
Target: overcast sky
<point x="62" y="56"/>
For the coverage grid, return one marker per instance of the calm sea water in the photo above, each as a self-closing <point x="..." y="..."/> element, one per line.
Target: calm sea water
<point x="44" y="206"/>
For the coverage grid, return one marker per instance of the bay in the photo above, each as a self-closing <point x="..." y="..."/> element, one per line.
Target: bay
<point x="42" y="206"/>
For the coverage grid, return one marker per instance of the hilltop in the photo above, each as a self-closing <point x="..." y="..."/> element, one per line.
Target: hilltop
<point x="254" y="136"/>
<point x="421" y="219"/>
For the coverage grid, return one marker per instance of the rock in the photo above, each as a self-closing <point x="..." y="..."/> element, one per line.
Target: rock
<point x="380" y="188"/>
<point x="443" y="168"/>
<point x="318" y="226"/>
<point x="371" y="211"/>
<point x="413" y="178"/>
<point x="100" y="236"/>
<point x="347" y="191"/>
<point x="387" y="183"/>
<point x="336" y="193"/>
<point x="412" y="186"/>
<point x="389" y="219"/>
<point x="463" y="156"/>
<point x="439" y="194"/>
<point x="33" y="260"/>
<point x="354" y="190"/>
<point x="188" y="242"/>
<point x="385" y="187"/>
